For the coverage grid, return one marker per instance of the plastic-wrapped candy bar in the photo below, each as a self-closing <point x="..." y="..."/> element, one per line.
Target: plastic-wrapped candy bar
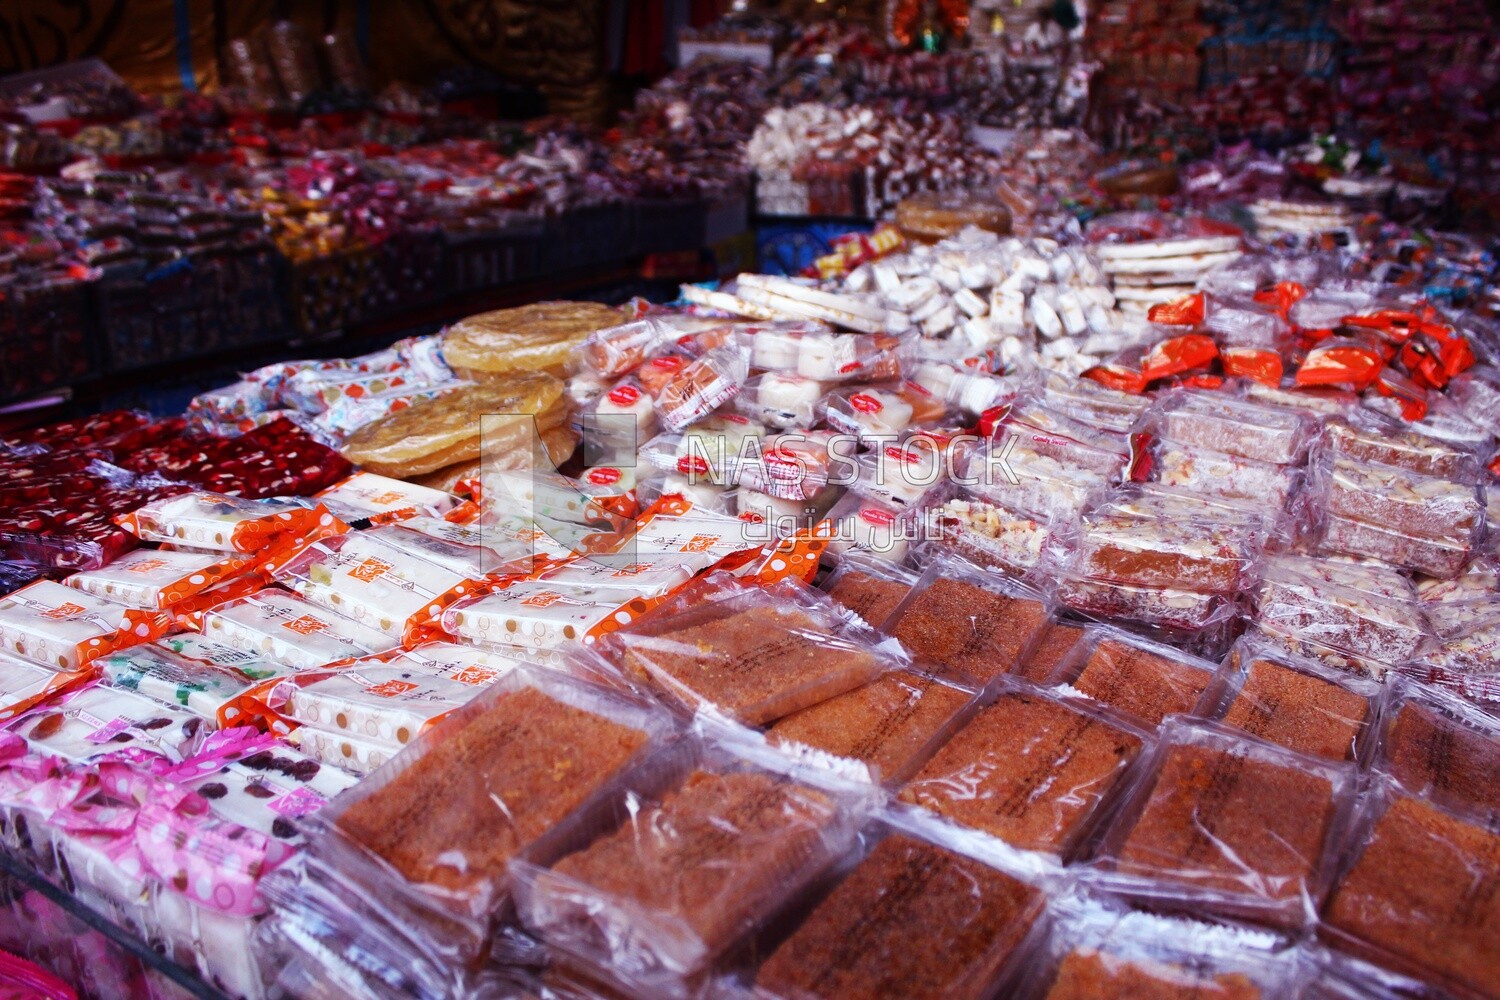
<point x="1238" y="827"/>
<point x="1029" y="769"/>
<point x="871" y="528"/>
<point x="878" y="733"/>
<point x="1220" y="423"/>
<point x="686" y="865"/>
<point x="880" y="414"/>
<point x="159" y="578"/>
<point x="959" y="931"/>
<point x="1369" y="576"/>
<point x="792" y="466"/>
<point x="1441" y="747"/>
<point x="268" y="789"/>
<point x="364" y="578"/>
<point x="228" y="524"/>
<point x="782" y="401"/>
<point x="989" y="535"/>
<point x="618" y="350"/>
<point x="755" y="655"/>
<point x="821" y="354"/>
<point x="285" y="628"/>
<point x="348" y="754"/>
<point x="968" y="621"/>
<point x="1411" y="897"/>
<point x="24" y="685"/>
<point x="1098" y="950"/>
<point x="390" y="700"/>
<point x="1402" y="503"/>
<point x="695" y="389"/>
<point x="1171" y="608"/>
<point x="869" y="589"/>
<point x="534" y="618"/>
<point x="1151" y="552"/>
<point x="1037" y="482"/>
<point x="65" y="629"/>
<point x="379" y="499"/>
<point x="1375" y="632"/>
<point x="428" y="842"/>
<point x="1219" y="475"/>
<point x="1144" y="680"/>
<point x="190" y="670"/>
<point x="97" y="720"/>
<point x="1297" y="703"/>
<point x="1374" y="441"/>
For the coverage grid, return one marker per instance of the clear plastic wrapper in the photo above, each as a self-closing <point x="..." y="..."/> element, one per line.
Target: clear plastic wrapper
<point x="709" y="451"/>
<point x="1229" y="825"/>
<point x="189" y="670"/>
<point x="24" y="685"/>
<point x="65" y="629"/>
<point x="1176" y="610"/>
<point x="1441" y="747"/>
<point x="432" y="434"/>
<point x="1038" y="483"/>
<point x="880" y="732"/>
<point x="1369" y="576"/>
<point x="691" y="861"/>
<point x="286" y="628"/>
<point x="967" y="621"/>
<point x="1440" y="557"/>
<point x="221" y="523"/>
<point x="812" y="353"/>
<point x="991" y="535"/>
<point x="959" y="930"/>
<point x="782" y="401"/>
<point x="1092" y="403"/>
<point x="1296" y="703"/>
<point x="1029" y="769"/>
<point x="1357" y="623"/>
<point x="1198" y="555"/>
<point x="1144" y="680"/>
<point x="1400" y="502"/>
<point x="1041" y="430"/>
<point x="794" y="465"/>
<point x="391" y="699"/>
<point x="380" y="499"/>
<point x="467" y="550"/>
<point x="879" y="414"/>
<point x="1315" y="401"/>
<point x="1412" y="895"/>
<point x="1230" y="426"/>
<point x="871" y="528"/>
<point x="869" y="589"/>
<point x="1056" y="640"/>
<point x="1218" y="475"/>
<point x="699" y="387"/>
<point x="1367" y="439"/>
<point x="620" y="420"/>
<point x="541" y="337"/>
<point x="900" y="472"/>
<point x="534" y="618"/>
<point x="269" y="789"/>
<point x="1099" y="949"/>
<point x="618" y="350"/>
<point x="422" y="849"/>
<point x="159" y="578"/>
<point x="365" y="578"/>
<point x="352" y="755"/>
<point x="95" y="720"/>
<point x="753" y="654"/>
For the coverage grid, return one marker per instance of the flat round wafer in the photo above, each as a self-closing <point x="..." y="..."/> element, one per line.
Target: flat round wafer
<point x="544" y="337"/>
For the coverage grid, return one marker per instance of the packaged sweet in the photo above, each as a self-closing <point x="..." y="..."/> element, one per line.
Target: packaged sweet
<point x="1440" y="747"/>
<point x="752" y="654"/>
<point x="24" y="685"/>
<point x="1220" y="423"/>
<point x="684" y="867"/>
<point x="430" y="839"/>
<point x="793" y="466"/>
<point x="618" y="350"/>
<point x="65" y="629"/>
<point x="959" y="931"/>
<point x="1028" y="769"/>
<point x="380" y="499"/>
<point x="1158" y="552"/>
<point x="621" y="419"/>
<point x="967" y="621"/>
<point x="269" y="789"/>
<point x="1039" y="432"/>
<point x="1033" y="482"/>
<point x="95" y="720"/>
<point x="1240" y="827"/>
<point x="434" y="433"/>
<point x="880" y="413"/>
<point x="190" y="671"/>
<point x="1370" y="440"/>
<point x="1177" y="611"/>
<point x="363" y="577"/>
<point x="1145" y="681"/>
<point x="1403" y="503"/>
<point x="1376" y="631"/>
<point x="1296" y="703"/>
<point x="1100" y="950"/>
<point x="989" y="535"/>
<point x="350" y="755"/>
<point x="880" y="732"/>
<point x="542" y="337"/>
<point x="871" y="528"/>
<point x="1409" y="898"/>
<point x="390" y="700"/>
<point x="228" y="524"/>
<point x="869" y="589"/>
<point x="1053" y="645"/>
<point x="782" y="401"/>
<point x="699" y="387"/>
<point x="1092" y="403"/>
<point x="1444" y="558"/>
<point x="286" y="628"/>
<point x="1219" y="475"/>
<point x="534" y="618"/>
<point x="159" y="578"/>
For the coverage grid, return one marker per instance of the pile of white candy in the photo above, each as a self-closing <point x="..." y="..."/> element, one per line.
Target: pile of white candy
<point x="1030" y="302"/>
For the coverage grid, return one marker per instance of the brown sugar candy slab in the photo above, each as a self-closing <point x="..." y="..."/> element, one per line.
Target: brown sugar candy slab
<point x="434" y="433"/>
<point x="968" y="628"/>
<point x="1424" y="889"/>
<point x="1027" y="769"/>
<point x="1246" y="823"/>
<point x="757" y="665"/>
<point x="886" y="725"/>
<point x="707" y="857"/>
<point x="1444" y="749"/>
<point x="541" y="337"/>
<point x="1091" y="975"/>
<point x="460" y="811"/>
<point x="912" y="920"/>
<point x="1299" y="711"/>
<point x="1057" y="641"/>
<point x="1146" y="684"/>
<point x="871" y="597"/>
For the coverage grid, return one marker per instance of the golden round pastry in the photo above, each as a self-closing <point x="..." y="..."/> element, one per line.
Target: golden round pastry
<point x="545" y="337"/>
<point x="930" y="217"/>
<point x="435" y="433"/>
